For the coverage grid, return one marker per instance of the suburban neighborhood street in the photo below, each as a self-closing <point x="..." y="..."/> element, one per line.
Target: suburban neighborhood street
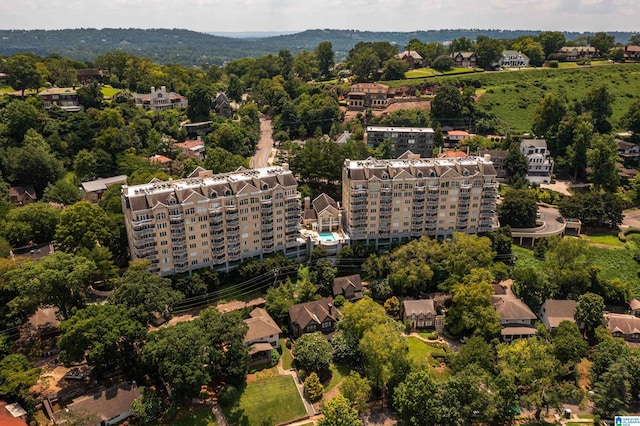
<point x="265" y="145"/>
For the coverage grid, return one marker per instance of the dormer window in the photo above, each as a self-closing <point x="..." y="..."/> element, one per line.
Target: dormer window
<point x="385" y="176"/>
<point x="432" y="174"/>
<point x="265" y="186"/>
<point x="419" y="175"/>
<point x="227" y="192"/>
<point x="172" y="201"/>
<point x="465" y="173"/>
<point x="213" y="194"/>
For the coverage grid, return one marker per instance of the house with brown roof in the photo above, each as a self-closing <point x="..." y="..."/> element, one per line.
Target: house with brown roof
<point x="465" y="59"/>
<point x="497" y="157"/>
<point x="553" y="312"/>
<point x="192" y="149"/>
<point x="625" y="326"/>
<point x="64" y="97"/>
<point x="89" y="75"/>
<point x="318" y="315"/>
<point x="323" y="214"/>
<point x="634" y="307"/>
<point x="572" y="53"/>
<point x="21" y="195"/>
<point x="163" y="161"/>
<point x="421" y="313"/>
<point x="453" y="154"/>
<point x="632" y="52"/>
<point x="106" y="406"/>
<point x="12" y="414"/>
<point x="350" y="287"/>
<point x="515" y="317"/>
<point x="263" y="335"/>
<point x="454" y="137"/>
<point x="368" y="95"/>
<point x="412" y="58"/>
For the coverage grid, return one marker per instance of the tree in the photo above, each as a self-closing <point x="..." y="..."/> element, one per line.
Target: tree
<point x="446" y="106"/>
<point x="488" y="51"/>
<point x="34" y="223"/>
<point x="313" y="388"/>
<point x="582" y="133"/>
<point x="569" y="345"/>
<point x="593" y="208"/>
<point x="631" y="118"/>
<point x="17" y="375"/>
<point x="612" y="391"/>
<point x="410" y="272"/>
<point x="549" y="113"/>
<point x="235" y="88"/>
<point x="589" y="310"/>
<point x="356" y="390"/>
<point x="602" y="158"/>
<point x="313" y="352"/>
<point x="23" y="72"/>
<point x="516" y="166"/>
<point x="384" y="352"/>
<point x="90" y="95"/>
<point x="394" y="69"/>
<point x="472" y="311"/>
<point x="416" y="399"/>
<point x="325" y="55"/>
<point x="461" y="44"/>
<point x="443" y="63"/>
<point x="532" y="49"/>
<point x="475" y="350"/>
<point x="148" y="407"/>
<point x="199" y="108"/>
<point x="20" y="116"/>
<point x="364" y="64"/>
<point x="532" y="286"/>
<point x="219" y="160"/>
<point x="279" y="299"/>
<point x="599" y="102"/>
<point x="105" y="334"/>
<point x="338" y="412"/>
<point x="551" y="41"/>
<point x="322" y="274"/>
<point x="145" y="294"/>
<point x="83" y="225"/>
<point x="603" y="42"/>
<point x="518" y="209"/>
<point x="59" y="280"/>
<point x="65" y="191"/>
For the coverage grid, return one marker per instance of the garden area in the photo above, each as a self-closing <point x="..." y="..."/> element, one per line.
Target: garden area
<point x="432" y="354"/>
<point x="275" y="398"/>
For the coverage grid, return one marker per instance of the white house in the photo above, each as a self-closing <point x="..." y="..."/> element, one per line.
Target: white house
<point x="553" y="312"/>
<point x="160" y="99"/>
<point x="263" y="334"/>
<point x="538" y="159"/>
<point x="513" y="59"/>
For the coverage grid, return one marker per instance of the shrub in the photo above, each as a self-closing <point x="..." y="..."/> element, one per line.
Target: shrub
<point x="228" y="395"/>
<point x="339" y="301"/>
<point x="313" y="388"/>
<point x="275" y="357"/>
<point x="554" y="64"/>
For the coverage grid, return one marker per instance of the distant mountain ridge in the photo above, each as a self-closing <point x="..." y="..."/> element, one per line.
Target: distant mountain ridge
<point x="195" y="48"/>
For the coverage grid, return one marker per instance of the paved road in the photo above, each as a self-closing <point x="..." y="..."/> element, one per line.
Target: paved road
<point x="265" y="145"/>
<point x="631" y="218"/>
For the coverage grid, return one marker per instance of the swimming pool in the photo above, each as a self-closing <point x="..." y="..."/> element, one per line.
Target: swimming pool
<point x="325" y="238"/>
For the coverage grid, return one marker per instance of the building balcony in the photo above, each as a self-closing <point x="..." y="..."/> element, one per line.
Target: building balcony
<point x="268" y="248"/>
<point x="146" y="251"/>
<point x="267" y="234"/>
<point x="295" y="196"/>
<point x="267" y="210"/>
<point x="418" y="196"/>
<point x="176" y="217"/>
<point x="140" y="242"/>
<point x="490" y="184"/>
<point x="267" y="226"/>
<point x="231" y="215"/>
<point x="267" y="214"/>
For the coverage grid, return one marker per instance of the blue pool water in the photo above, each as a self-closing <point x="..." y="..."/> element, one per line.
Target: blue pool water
<point x="326" y="237"/>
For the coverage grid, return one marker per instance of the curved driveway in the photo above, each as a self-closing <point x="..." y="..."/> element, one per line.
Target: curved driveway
<point x="552" y="224"/>
<point x="265" y="145"/>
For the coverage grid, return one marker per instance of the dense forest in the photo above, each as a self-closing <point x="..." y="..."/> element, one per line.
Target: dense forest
<point x="193" y="48"/>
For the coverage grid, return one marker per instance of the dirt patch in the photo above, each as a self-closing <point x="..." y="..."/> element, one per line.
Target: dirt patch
<point x="380" y="418"/>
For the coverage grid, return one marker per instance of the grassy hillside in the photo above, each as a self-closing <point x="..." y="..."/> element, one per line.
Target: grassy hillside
<point x="513" y="95"/>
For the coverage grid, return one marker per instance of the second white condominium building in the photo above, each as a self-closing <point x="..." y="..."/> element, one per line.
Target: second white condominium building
<point x="389" y="201"/>
<point x="213" y="221"/>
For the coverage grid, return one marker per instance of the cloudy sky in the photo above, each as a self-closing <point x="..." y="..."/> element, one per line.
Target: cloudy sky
<point x="296" y="15"/>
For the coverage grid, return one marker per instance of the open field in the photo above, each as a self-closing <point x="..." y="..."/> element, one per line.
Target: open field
<point x="276" y="398"/>
<point x="338" y="372"/>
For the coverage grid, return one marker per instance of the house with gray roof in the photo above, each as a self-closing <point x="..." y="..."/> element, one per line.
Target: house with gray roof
<point x="350" y="287"/>
<point x="106" y="406"/>
<point x="421" y="313"/>
<point x="94" y="189"/>
<point x="515" y="317"/>
<point x="553" y="312"/>
<point x="263" y="335"/>
<point x="625" y="326"/>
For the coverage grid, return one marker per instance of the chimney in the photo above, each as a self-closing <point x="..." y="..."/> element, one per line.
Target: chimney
<point x="307" y="203"/>
<point x="330" y="306"/>
<point x="163" y="88"/>
<point x="487" y="157"/>
<point x="153" y="89"/>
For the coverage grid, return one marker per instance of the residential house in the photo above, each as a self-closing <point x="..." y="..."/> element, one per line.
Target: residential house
<point x="538" y="159"/>
<point x="318" y="315"/>
<point x="421" y="313"/>
<point x="323" y="214"/>
<point x="263" y="335"/>
<point x="222" y="105"/>
<point x="89" y="75"/>
<point x="412" y="58"/>
<point x="343" y="138"/>
<point x="160" y="99"/>
<point x="632" y="52"/>
<point x="497" y="157"/>
<point x="418" y="140"/>
<point x="573" y="53"/>
<point x="197" y="130"/>
<point x="553" y="312"/>
<point x="634" y="307"/>
<point x="629" y="152"/>
<point x="350" y="287"/>
<point x="515" y="317"/>
<point x="368" y="95"/>
<point x="94" y="189"/>
<point x="192" y="149"/>
<point x="21" y="195"/>
<point x="109" y="406"/>
<point x="513" y="59"/>
<point x="12" y="414"/>
<point x="164" y="162"/>
<point x="465" y="59"/>
<point x="625" y="326"/>
<point x="453" y="154"/>
<point x="64" y="97"/>
<point x="454" y="137"/>
<point x="372" y="188"/>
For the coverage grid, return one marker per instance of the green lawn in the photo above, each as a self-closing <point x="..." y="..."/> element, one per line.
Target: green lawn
<point x="422" y="352"/>
<point x="287" y="360"/>
<point x="608" y="239"/>
<point x="338" y="372"/>
<point x="276" y="398"/>
<point x="108" y="91"/>
<point x="194" y="416"/>
<point x="421" y="73"/>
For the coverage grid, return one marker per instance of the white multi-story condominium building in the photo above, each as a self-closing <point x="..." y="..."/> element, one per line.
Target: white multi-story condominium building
<point x="418" y="140"/>
<point x="214" y="221"/>
<point x="389" y="201"/>
<point x="538" y="159"/>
